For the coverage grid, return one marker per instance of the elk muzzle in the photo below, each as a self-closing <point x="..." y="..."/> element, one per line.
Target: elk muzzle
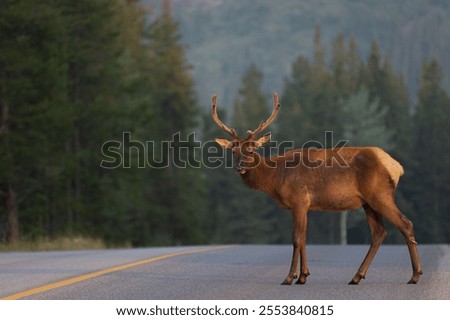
<point x="238" y="160"/>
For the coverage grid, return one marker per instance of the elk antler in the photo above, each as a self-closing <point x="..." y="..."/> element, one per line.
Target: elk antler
<point x="216" y="119"/>
<point x="264" y="124"/>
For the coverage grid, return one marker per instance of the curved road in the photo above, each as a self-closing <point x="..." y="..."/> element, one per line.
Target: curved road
<point x="221" y="272"/>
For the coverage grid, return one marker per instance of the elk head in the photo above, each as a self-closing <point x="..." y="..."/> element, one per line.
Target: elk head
<point x="244" y="155"/>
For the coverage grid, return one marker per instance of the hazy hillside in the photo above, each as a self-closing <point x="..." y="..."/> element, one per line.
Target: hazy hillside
<point x="225" y="36"/>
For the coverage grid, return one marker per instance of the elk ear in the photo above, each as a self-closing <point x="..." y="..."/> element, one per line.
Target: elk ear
<point x="224" y="143"/>
<point x="263" y="140"/>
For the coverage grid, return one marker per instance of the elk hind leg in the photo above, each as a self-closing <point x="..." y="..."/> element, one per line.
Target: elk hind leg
<point x="392" y="214"/>
<point x="378" y="233"/>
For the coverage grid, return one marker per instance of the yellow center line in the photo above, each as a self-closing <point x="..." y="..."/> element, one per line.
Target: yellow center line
<point x="91" y="275"/>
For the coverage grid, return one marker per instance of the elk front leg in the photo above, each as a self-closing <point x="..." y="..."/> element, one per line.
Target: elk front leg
<point x="299" y="219"/>
<point x="294" y="266"/>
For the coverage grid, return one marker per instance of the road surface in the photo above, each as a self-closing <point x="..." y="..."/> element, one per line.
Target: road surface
<point x="221" y="272"/>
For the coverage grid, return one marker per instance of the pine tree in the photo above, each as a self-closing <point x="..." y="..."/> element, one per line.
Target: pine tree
<point x="123" y="206"/>
<point x="365" y="121"/>
<point x="174" y="213"/>
<point x="432" y="161"/>
<point x="345" y="67"/>
<point x="33" y="121"/>
<point x="92" y="82"/>
<point x="384" y="85"/>
<point x="311" y="105"/>
<point x="295" y="100"/>
<point x="250" y="107"/>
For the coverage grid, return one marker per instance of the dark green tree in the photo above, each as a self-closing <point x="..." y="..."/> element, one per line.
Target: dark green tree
<point x="174" y="213"/>
<point x="365" y="122"/>
<point x="311" y="100"/>
<point x="93" y="83"/>
<point x="33" y="118"/>
<point x="346" y="67"/>
<point x="122" y="217"/>
<point x="431" y="178"/>
<point x="295" y="100"/>
<point x="387" y="87"/>
<point x="250" y="107"/>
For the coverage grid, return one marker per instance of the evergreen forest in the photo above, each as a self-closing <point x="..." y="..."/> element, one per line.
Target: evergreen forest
<point x="105" y="132"/>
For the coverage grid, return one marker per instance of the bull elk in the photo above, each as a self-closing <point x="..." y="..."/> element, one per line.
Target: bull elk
<point x="323" y="179"/>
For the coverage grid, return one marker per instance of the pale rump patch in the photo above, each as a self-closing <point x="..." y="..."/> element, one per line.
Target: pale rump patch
<point x="394" y="168"/>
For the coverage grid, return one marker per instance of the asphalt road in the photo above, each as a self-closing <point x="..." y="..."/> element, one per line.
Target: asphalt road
<point x="214" y="272"/>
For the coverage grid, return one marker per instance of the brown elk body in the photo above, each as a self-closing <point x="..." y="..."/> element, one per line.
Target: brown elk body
<point x="324" y="179"/>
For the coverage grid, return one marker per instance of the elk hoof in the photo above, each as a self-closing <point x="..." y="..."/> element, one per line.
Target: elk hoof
<point x="415" y="277"/>
<point x="302" y="279"/>
<point x="357" y="278"/>
<point x="289" y="279"/>
<point x="414" y="280"/>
